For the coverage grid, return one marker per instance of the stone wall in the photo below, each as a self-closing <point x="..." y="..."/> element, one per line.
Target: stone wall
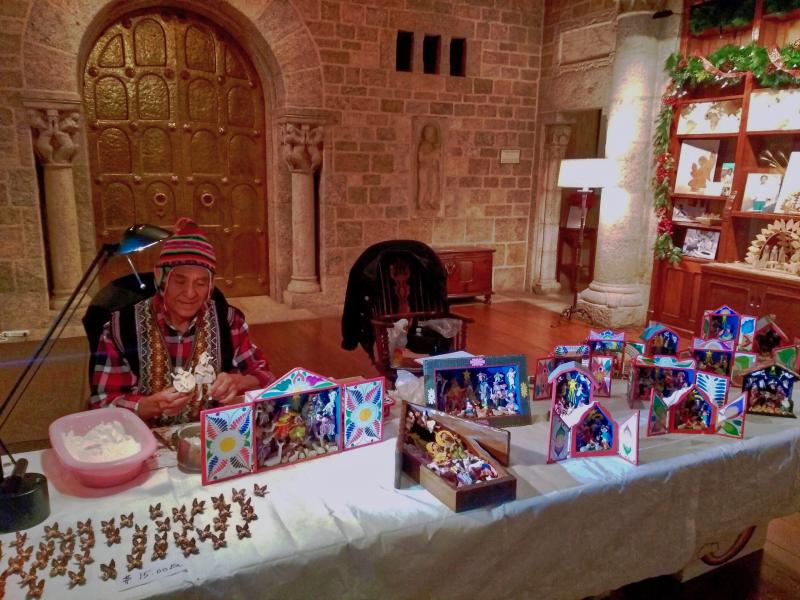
<point x="342" y="52"/>
<point x="369" y="191"/>
<point x="577" y="51"/>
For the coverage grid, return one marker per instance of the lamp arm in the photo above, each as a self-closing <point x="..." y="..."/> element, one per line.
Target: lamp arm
<point x="41" y="352"/>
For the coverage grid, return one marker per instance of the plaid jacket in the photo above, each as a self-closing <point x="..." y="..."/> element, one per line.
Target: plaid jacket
<point x="115" y="384"/>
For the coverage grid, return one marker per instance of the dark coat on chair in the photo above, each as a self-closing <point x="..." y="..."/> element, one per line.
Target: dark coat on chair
<point x="368" y="294"/>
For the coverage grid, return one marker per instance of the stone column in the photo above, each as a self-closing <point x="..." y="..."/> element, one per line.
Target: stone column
<point x="301" y="144"/>
<point x="548" y="209"/>
<point x="615" y="297"/>
<point x="55" y="145"/>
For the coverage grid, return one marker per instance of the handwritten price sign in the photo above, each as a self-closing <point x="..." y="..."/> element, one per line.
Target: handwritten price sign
<point x="154" y="573"/>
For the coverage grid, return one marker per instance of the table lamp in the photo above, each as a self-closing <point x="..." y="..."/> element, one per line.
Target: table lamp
<point x="23" y="496"/>
<point x="583" y="174"/>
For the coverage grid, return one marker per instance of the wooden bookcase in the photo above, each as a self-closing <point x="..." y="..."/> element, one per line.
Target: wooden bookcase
<point x="680" y="293"/>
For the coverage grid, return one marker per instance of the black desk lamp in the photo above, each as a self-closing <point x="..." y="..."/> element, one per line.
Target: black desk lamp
<point x="24" y="499"/>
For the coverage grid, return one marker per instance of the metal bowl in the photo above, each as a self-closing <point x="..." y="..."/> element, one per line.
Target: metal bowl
<point x="189" y="450"/>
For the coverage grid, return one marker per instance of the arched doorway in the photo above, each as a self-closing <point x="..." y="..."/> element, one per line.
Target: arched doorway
<point x="175" y="115"/>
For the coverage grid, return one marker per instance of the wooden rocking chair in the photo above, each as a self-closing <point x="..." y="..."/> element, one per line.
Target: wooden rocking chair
<point x="393" y="280"/>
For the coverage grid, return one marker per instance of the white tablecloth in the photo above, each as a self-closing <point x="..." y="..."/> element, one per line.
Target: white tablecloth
<point x="336" y="527"/>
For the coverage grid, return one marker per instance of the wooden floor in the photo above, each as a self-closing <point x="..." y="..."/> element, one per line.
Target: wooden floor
<point x="522" y="328"/>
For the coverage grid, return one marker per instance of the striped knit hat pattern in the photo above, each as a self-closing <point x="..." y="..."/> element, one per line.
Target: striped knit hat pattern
<point x="187" y="246"/>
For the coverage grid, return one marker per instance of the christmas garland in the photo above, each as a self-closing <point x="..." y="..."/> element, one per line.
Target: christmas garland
<point x="724" y="67"/>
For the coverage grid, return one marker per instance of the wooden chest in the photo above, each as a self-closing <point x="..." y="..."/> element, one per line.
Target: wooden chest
<point x="469" y="271"/>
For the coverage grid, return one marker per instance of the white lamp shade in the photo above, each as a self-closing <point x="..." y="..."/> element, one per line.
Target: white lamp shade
<point x="585" y="173"/>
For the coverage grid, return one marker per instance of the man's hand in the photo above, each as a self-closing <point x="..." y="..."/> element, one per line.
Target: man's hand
<point x="225" y="387"/>
<point x="166" y="402"/>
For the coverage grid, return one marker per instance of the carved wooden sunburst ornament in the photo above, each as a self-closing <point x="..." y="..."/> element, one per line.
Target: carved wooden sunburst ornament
<point x="776" y="247"/>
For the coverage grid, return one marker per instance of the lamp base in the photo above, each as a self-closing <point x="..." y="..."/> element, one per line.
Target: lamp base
<point x="27" y="506"/>
<point x="567" y="314"/>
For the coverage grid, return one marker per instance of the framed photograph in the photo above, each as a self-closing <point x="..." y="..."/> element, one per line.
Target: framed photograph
<point x="493" y="389"/>
<point x="789" y="197"/>
<point x="774" y="110"/>
<point x="701" y="243"/>
<point x="726" y="178"/>
<point x="696" y="165"/>
<point x="761" y="192"/>
<point x="710" y="117"/>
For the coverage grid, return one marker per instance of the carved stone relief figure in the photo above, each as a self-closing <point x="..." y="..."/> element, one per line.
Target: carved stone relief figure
<point x="429" y="167"/>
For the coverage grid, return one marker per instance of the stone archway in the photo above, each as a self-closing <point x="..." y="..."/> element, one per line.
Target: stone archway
<point x="53" y="49"/>
<point x="176" y="122"/>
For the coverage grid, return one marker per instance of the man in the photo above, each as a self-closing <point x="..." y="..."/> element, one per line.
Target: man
<point x="181" y="326"/>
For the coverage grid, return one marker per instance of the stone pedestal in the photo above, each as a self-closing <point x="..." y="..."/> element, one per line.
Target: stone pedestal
<point x="548" y="210"/>
<point x="301" y="144"/>
<point x="55" y="128"/>
<point x="615" y="297"/>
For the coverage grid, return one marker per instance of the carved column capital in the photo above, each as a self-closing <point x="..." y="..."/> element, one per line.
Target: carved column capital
<point x="55" y="134"/>
<point x="301" y="144"/>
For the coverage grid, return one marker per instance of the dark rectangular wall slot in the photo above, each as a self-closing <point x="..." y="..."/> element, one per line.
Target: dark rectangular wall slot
<point x="458" y="57"/>
<point x="404" y="55"/>
<point x="431" y="53"/>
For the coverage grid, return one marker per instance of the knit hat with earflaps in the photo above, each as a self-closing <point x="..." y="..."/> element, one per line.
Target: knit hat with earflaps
<point x="187" y="246"/>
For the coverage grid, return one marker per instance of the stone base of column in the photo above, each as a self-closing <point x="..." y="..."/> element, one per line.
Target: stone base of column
<point x="613" y="305"/>
<point x="304" y="285"/>
<point x="305" y="299"/>
<point x="546" y="286"/>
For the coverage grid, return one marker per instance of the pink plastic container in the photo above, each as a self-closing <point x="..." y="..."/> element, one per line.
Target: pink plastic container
<point x="102" y="474"/>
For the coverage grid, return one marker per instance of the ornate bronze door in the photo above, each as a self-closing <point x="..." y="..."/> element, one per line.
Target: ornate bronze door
<point x="176" y="127"/>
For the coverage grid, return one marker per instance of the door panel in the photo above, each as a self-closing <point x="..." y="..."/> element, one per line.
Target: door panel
<point x="176" y="127"/>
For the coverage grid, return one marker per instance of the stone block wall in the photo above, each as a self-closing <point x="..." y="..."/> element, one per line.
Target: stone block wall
<point x="342" y="51"/>
<point x="577" y="51"/>
<point x="368" y="191"/>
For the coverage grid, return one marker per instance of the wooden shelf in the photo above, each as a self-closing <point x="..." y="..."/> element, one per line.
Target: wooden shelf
<point x="701" y="197"/>
<point x="689" y="100"/>
<point x="694" y="259"/>
<point x="778" y="17"/>
<point x="774" y="132"/>
<point x="706" y="136"/>
<point x="716" y="32"/>
<point x="680" y="294"/>
<point x="762" y="216"/>
<point x="698" y="225"/>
